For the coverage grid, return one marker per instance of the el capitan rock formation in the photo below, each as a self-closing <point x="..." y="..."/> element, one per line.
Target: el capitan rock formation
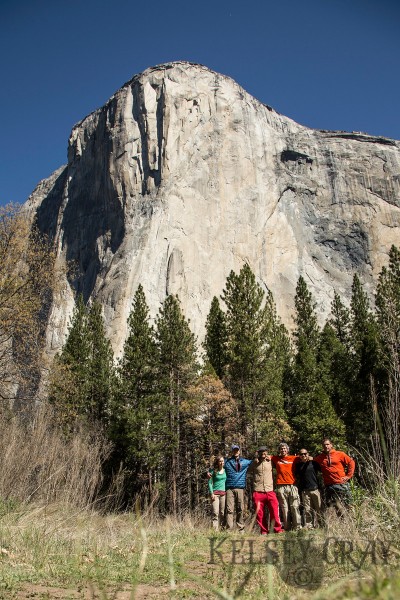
<point x="182" y="176"/>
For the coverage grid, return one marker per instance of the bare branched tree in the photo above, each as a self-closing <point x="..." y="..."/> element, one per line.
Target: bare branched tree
<point x="27" y="279"/>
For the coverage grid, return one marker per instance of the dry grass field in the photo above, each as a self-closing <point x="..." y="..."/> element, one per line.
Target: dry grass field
<point x="55" y="542"/>
<point x="55" y="551"/>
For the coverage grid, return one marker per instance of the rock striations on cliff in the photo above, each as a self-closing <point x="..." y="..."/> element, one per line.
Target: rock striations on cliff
<point x="183" y="176"/>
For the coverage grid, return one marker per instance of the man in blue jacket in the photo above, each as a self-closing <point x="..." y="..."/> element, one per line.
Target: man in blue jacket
<point x="236" y="471"/>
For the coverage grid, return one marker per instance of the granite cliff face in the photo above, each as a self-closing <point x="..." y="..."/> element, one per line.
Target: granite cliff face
<point x="183" y="176"/>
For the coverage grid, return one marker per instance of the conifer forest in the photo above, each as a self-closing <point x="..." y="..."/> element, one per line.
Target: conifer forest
<point x="169" y="405"/>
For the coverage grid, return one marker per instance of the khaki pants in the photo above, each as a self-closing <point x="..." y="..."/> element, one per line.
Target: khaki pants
<point x="289" y="503"/>
<point x="235" y="500"/>
<point x="311" y="501"/>
<point x="218" y="511"/>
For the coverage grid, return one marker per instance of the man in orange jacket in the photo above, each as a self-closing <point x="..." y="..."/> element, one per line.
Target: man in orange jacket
<point x="286" y="490"/>
<point x="337" y="469"/>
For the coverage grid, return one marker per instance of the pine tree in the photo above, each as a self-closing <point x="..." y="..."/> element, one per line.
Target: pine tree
<point x="306" y="337"/>
<point x="311" y="412"/>
<point x="135" y="419"/>
<point x="177" y="369"/>
<point x="340" y="320"/>
<point x="388" y="318"/>
<point x="336" y="359"/>
<point x="246" y="333"/>
<point x="100" y="368"/>
<point x="277" y="360"/>
<point x="388" y="310"/>
<point x="364" y="341"/>
<point x="69" y="377"/>
<point x="257" y="354"/>
<point x="216" y="338"/>
<point x="83" y="375"/>
<point x="307" y="329"/>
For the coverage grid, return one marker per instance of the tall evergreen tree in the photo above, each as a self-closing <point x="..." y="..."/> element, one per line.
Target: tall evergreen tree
<point x="135" y="421"/>
<point x="388" y="311"/>
<point x="100" y="368"/>
<point x="307" y="330"/>
<point x="364" y="340"/>
<point x="306" y="337"/>
<point x="336" y="359"/>
<point x="216" y="338"/>
<point x="177" y="369"/>
<point x="69" y="377"/>
<point x="277" y="361"/>
<point x="340" y="321"/>
<point x="246" y="331"/>
<point x="388" y="317"/>
<point x="84" y="385"/>
<point x="311" y="410"/>
<point x="257" y="354"/>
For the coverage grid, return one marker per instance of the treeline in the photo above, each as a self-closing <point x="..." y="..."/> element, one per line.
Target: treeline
<point x="167" y="405"/>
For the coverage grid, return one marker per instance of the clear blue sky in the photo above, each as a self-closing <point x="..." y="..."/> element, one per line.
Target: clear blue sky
<point x="329" y="64"/>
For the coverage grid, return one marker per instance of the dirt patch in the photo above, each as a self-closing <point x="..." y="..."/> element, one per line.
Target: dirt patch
<point x="141" y="592"/>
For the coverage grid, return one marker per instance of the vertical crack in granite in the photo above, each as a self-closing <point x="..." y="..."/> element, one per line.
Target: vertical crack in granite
<point x="139" y="114"/>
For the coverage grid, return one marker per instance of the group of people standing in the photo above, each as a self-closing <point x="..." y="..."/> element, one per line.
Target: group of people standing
<point x="296" y="485"/>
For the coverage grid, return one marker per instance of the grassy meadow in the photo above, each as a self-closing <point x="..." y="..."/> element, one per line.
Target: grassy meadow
<point x="59" y="539"/>
<point x="56" y="551"/>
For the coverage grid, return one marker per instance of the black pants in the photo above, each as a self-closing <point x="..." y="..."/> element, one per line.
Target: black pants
<point x="338" y="492"/>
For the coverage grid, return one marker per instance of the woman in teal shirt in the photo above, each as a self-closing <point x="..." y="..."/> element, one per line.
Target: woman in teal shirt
<point x="216" y="487"/>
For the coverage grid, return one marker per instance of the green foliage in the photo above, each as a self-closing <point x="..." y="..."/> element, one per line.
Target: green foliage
<point x="387" y="403"/>
<point x="388" y="310"/>
<point x="273" y="424"/>
<point x="364" y="343"/>
<point x="100" y="368"/>
<point x="135" y="419"/>
<point x="340" y="321"/>
<point x="216" y="338"/>
<point x="82" y="379"/>
<point x="166" y="419"/>
<point x="336" y="360"/>
<point x="176" y="372"/>
<point x="176" y="346"/>
<point x="307" y="330"/>
<point x="243" y="298"/>
<point x="257" y="348"/>
<point x="310" y="407"/>
<point x="305" y="370"/>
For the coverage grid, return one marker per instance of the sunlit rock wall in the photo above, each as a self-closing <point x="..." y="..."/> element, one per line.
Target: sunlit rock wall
<point x="183" y="176"/>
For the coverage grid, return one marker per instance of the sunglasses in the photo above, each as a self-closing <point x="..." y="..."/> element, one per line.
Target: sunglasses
<point x="303" y="453"/>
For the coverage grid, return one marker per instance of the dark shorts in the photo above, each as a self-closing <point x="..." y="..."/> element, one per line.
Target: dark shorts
<point x="338" y="492"/>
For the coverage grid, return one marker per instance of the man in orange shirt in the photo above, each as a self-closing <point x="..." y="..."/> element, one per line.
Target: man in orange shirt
<point x="337" y="469"/>
<point x="286" y="490"/>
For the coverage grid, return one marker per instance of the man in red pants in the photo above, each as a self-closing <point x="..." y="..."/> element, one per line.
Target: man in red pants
<point x="264" y="498"/>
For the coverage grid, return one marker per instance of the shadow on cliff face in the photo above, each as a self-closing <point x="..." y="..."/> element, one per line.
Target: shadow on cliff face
<point x="139" y="113"/>
<point x="48" y="211"/>
<point x="93" y="220"/>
